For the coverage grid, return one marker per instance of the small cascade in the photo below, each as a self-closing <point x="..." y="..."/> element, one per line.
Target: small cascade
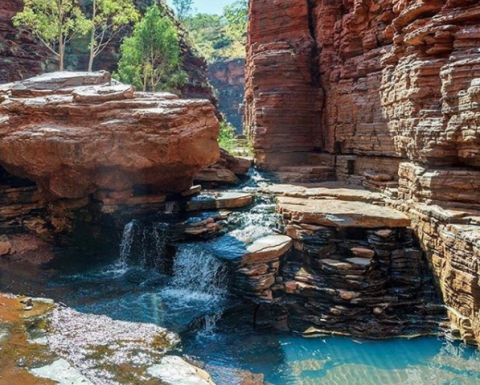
<point x="144" y="245"/>
<point x="198" y="273"/>
<point x="200" y="282"/>
<point x="127" y="243"/>
<point x="259" y="221"/>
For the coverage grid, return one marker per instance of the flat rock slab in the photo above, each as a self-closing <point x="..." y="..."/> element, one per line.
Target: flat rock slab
<point x="267" y="249"/>
<point x="340" y="193"/>
<point x="217" y="201"/>
<point x="338" y="213"/>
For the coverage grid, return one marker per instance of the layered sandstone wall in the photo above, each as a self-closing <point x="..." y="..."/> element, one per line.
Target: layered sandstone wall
<point x="389" y="78"/>
<point x="390" y="91"/>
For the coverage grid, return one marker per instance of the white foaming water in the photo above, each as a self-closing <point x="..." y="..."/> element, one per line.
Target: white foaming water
<point x="160" y="236"/>
<point x="256" y="223"/>
<point x="198" y="273"/>
<point x="199" y="282"/>
<point x="127" y="243"/>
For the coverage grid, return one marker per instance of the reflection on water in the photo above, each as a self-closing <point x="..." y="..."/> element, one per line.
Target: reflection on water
<point x="147" y="296"/>
<point x="287" y="359"/>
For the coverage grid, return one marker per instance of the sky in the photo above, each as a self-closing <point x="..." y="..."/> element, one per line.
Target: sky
<point x="209" y="6"/>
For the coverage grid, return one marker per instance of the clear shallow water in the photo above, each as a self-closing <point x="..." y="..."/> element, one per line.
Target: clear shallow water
<point x="284" y="359"/>
<point x="134" y="291"/>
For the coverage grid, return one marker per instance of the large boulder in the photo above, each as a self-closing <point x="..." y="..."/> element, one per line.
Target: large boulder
<point x="75" y="134"/>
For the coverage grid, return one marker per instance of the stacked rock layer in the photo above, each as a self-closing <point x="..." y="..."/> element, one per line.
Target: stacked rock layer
<point x="384" y="94"/>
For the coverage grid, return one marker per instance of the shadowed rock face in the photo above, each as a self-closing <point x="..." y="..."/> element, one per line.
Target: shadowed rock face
<point x="75" y="134"/>
<point x="228" y="78"/>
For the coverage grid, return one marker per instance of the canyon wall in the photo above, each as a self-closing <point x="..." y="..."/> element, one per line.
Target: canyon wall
<point x="21" y="56"/>
<point x="387" y="94"/>
<point x="228" y="79"/>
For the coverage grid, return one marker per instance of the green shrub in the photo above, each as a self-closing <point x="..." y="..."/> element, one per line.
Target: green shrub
<point x="151" y="57"/>
<point x="227" y="138"/>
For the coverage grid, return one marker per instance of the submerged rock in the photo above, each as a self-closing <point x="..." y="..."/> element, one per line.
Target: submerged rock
<point x="174" y="370"/>
<point x="46" y="344"/>
<point x="75" y="134"/>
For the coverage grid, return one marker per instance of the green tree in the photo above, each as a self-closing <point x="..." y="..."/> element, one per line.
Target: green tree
<point x="207" y="33"/>
<point x="236" y="15"/>
<point x="223" y="36"/>
<point x="54" y="23"/>
<point x="183" y="8"/>
<point x="108" y="17"/>
<point x="151" y="57"/>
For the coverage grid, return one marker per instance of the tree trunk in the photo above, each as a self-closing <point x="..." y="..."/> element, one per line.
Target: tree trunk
<point x="61" y="52"/>
<point x="61" y="38"/>
<point x="92" y="37"/>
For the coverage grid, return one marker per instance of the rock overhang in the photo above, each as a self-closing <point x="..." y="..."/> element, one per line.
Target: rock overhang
<point x="75" y="134"/>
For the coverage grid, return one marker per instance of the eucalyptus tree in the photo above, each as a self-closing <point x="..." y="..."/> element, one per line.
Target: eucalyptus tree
<point x="54" y="23"/>
<point x="183" y="8"/>
<point x="107" y="18"/>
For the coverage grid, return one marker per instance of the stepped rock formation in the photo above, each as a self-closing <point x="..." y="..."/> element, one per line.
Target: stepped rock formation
<point x="228" y="78"/>
<point x="76" y="134"/>
<point x="384" y="94"/>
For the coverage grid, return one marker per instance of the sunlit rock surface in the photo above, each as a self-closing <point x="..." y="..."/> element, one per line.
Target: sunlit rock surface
<point x="75" y="134"/>
<point x="58" y="345"/>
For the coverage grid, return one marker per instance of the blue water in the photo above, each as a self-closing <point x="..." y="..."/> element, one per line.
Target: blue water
<point x="284" y="359"/>
<point x="192" y="300"/>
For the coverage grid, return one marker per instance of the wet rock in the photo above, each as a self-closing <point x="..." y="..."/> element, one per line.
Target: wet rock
<point x="257" y="270"/>
<point x="174" y="370"/>
<point x="5" y="246"/>
<point x="93" y="145"/>
<point x="28" y="248"/>
<point x="219" y="200"/>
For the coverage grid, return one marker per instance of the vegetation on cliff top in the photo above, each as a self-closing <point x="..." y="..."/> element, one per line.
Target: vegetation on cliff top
<point x="151" y="57"/>
<point x="216" y="37"/>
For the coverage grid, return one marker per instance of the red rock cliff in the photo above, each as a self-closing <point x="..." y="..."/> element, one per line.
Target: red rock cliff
<point x="20" y="55"/>
<point x="385" y="93"/>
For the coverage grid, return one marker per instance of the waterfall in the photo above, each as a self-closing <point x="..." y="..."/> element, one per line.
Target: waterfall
<point x="126" y="244"/>
<point x="144" y="245"/>
<point x="198" y="273"/>
<point x="199" y="282"/>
